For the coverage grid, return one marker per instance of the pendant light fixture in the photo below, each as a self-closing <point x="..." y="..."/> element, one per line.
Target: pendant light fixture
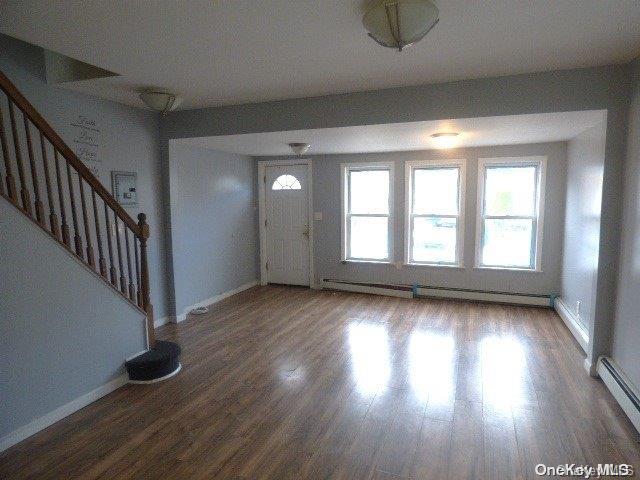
<point x="400" y="23"/>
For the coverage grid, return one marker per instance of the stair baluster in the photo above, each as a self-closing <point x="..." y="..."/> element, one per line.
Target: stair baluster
<point x="137" y="261"/>
<point x="34" y="174"/>
<point x="102" y="265"/>
<point x="85" y="220"/>
<point x="74" y="214"/>
<point x="24" y="193"/>
<point x="123" y="282"/>
<point x="132" y="295"/>
<point x="112" y="269"/>
<point x="11" y="183"/>
<point x="53" y="219"/>
<point x="63" y="214"/>
<point x="58" y="226"/>
<point x="5" y="157"/>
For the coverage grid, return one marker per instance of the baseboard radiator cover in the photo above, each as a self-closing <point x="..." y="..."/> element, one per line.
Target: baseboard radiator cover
<point x="621" y="388"/>
<point x="389" y="290"/>
<point x="491" y="296"/>
<point x="416" y="291"/>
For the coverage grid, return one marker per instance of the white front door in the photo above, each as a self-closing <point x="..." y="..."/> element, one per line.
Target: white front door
<point x="287" y="215"/>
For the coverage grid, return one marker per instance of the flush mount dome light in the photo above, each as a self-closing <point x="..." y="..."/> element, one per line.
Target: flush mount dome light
<point x="299" y="148"/>
<point x="445" y="139"/>
<point x="399" y="23"/>
<point x="444" y="134"/>
<point x="160" y="100"/>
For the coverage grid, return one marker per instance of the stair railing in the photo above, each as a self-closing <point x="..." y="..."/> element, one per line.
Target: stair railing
<point x="62" y="209"/>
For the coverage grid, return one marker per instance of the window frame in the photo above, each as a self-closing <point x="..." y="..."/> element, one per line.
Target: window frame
<point x="540" y="162"/>
<point x="410" y="166"/>
<point x="345" y="171"/>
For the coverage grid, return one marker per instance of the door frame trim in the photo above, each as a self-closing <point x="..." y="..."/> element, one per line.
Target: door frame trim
<point x="262" y="214"/>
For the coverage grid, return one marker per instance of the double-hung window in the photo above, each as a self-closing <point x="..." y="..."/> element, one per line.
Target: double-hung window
<point x="434" y="228"/>
<point x="510" y="201"/>
<point x="367" y="206"/>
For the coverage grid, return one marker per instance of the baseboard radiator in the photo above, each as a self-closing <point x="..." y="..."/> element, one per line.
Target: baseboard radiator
<point x="621" y="388"/>
<point x="417" y="291"/>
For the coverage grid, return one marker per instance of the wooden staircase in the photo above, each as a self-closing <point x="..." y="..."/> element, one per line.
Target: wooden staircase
<point x="51" y="186"/>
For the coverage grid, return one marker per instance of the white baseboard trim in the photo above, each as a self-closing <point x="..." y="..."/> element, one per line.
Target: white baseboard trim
<point x="158" y="322"/>
<point x="59" y="413"/>
<point x="576" y="328"/>
<point x="588" y="367"/>
<point x="213" y="300"/>
<point x="349" y="287"/>
<point x="511" y="298"/>
<point x="617" y="382"/>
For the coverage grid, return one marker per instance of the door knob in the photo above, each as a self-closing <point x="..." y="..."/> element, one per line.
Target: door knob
<point x="306" y="232"/>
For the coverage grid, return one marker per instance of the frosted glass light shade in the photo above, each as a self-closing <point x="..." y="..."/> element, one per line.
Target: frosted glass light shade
<point x="160" y="101"/>
<point x="399" y="23"/>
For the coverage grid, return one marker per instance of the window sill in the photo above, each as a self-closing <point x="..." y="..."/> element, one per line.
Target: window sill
<point x="509" y="269"/>
<point x="375" y="262"/>
<point x="435" y="265"/>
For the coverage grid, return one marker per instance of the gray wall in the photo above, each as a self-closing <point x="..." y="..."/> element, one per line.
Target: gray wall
<point x="585" y="166"/>
<point x="63" y="333"/>
<point x="213" y="222"/>
<point x="130" y="141"/>
<point x="326" y="197"/>
<point x="626" y="335"/>
<point x="601" y="88"/>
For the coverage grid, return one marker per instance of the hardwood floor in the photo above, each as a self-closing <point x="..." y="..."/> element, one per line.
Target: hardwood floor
<point x="282" y="382"/>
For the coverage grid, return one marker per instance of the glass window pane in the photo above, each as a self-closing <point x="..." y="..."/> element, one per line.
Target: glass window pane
<point x="434" y="240"/>
<point x="286" y="182"/>
<point x="510" y="191"/>
<point x="369" y="191"/>
<point x="507" y="243"/>
<point x="435" y="191"/>
<point x="369" y="238"/>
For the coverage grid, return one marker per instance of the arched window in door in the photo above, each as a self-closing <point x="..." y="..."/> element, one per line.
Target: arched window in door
<point x="286" y="182"/>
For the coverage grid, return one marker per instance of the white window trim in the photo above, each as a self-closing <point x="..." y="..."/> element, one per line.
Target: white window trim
<point x="408" y="200"/>
<point x="344" y="192"/>
<point x="483" y="163"/>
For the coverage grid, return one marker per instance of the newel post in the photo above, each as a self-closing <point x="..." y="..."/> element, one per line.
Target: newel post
<point x="144" y="277"/>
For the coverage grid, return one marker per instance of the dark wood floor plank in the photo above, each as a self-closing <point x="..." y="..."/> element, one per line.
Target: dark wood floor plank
<point x="285" y="382"/>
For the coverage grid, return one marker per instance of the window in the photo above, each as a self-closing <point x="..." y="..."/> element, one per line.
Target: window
<point x="367" y="203"/>
<point x="510" y="201"/>
<point x="286" y="182"/>
<point x="434" y="216"/>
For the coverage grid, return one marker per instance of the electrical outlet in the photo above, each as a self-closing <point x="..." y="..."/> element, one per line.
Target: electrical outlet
<point x="578" y="308"/>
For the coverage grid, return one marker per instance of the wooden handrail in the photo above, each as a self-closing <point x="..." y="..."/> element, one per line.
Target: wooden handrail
<point x="41" y="124"/>
<point x="86" y="219"/>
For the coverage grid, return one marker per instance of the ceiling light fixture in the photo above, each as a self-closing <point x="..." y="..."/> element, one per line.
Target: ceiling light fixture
<point x="299" y="148"/>
<point x="400" y="23"/>
<point x="159" y="100"/>
<point x="445" y="139"/>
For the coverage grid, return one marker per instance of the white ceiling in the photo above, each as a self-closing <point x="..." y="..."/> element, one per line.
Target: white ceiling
<point x="236" y="51"/>
<point x="474" y="132"/>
